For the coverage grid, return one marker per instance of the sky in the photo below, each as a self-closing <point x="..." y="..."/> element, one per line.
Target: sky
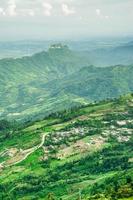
<point x="65" y="19"/>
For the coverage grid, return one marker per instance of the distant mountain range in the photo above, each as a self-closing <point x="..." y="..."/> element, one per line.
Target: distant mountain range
<point x="112" y="56"/>
<point x="94" y="84"/>
<point x="59" y="79"/>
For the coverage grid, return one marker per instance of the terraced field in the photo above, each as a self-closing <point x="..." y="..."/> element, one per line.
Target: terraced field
<point x="83" y="153"/>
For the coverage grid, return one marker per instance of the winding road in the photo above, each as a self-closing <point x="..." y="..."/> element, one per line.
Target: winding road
<point x="27" y="152"/>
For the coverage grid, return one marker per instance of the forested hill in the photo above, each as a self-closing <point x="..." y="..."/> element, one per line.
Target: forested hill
<point x="22" y="79"/>
<point x="31" y="87"/>
<point x="84" y="153"/>
<point x="94" y="84"/>
<point x="58" y="61"/>
<point x="122" y="54"/>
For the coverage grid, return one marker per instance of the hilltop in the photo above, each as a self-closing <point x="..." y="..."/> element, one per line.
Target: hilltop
<point x="82" y="153"/>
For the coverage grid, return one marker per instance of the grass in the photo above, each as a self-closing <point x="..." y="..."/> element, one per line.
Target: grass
<point x="22" y="140"/>
<point x="130" y="198"/>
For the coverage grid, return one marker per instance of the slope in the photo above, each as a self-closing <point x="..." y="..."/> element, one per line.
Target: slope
<point x="93" y="83"/>
<point x="86" y="154"/>
<point x="21" y="80"/>
<point x="122" y="54"/>
<point x="32" y="87"/>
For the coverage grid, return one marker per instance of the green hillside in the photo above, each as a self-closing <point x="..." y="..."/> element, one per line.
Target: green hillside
<point x="122" y="54"/>
<point x="22" y="80"/>
<point x="94" y="84"/>
<point x="33" y="87"/>
<point x="84" y="153"/>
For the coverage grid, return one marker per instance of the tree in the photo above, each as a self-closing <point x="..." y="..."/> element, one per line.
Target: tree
<point x="50" y="196"/>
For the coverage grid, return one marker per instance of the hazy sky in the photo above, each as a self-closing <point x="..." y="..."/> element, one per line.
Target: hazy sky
<point x="64" y="19"/>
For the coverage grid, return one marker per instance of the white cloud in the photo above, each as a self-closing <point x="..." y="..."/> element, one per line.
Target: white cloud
<point x="67" y="11"/>
<point x="26" y="12"/>
<point x="2" y="12"/>
<point x="98" y="12"/>
<point x="107" y="17"/>
<point x="101" y="15"/>
<point x="11" y="10"/>
<point x="47" y="8"/>
<point x="31" y="12"/>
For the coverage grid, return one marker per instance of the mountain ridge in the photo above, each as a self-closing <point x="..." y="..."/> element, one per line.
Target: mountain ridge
<point x="49" y="81"/>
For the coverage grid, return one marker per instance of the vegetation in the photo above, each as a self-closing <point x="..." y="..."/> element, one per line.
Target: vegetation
<point x="82" y="153"/>
<point x="56" y="80"/>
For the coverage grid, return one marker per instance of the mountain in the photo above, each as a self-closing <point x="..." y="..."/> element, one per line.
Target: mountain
<point x="55" y="63"/>
<point x="82" y="153"/>
<point x="94" y="84"/>
<point x="31" y="87"/>
<point x="122" y="54"/>
<point x="21" y="79"/>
